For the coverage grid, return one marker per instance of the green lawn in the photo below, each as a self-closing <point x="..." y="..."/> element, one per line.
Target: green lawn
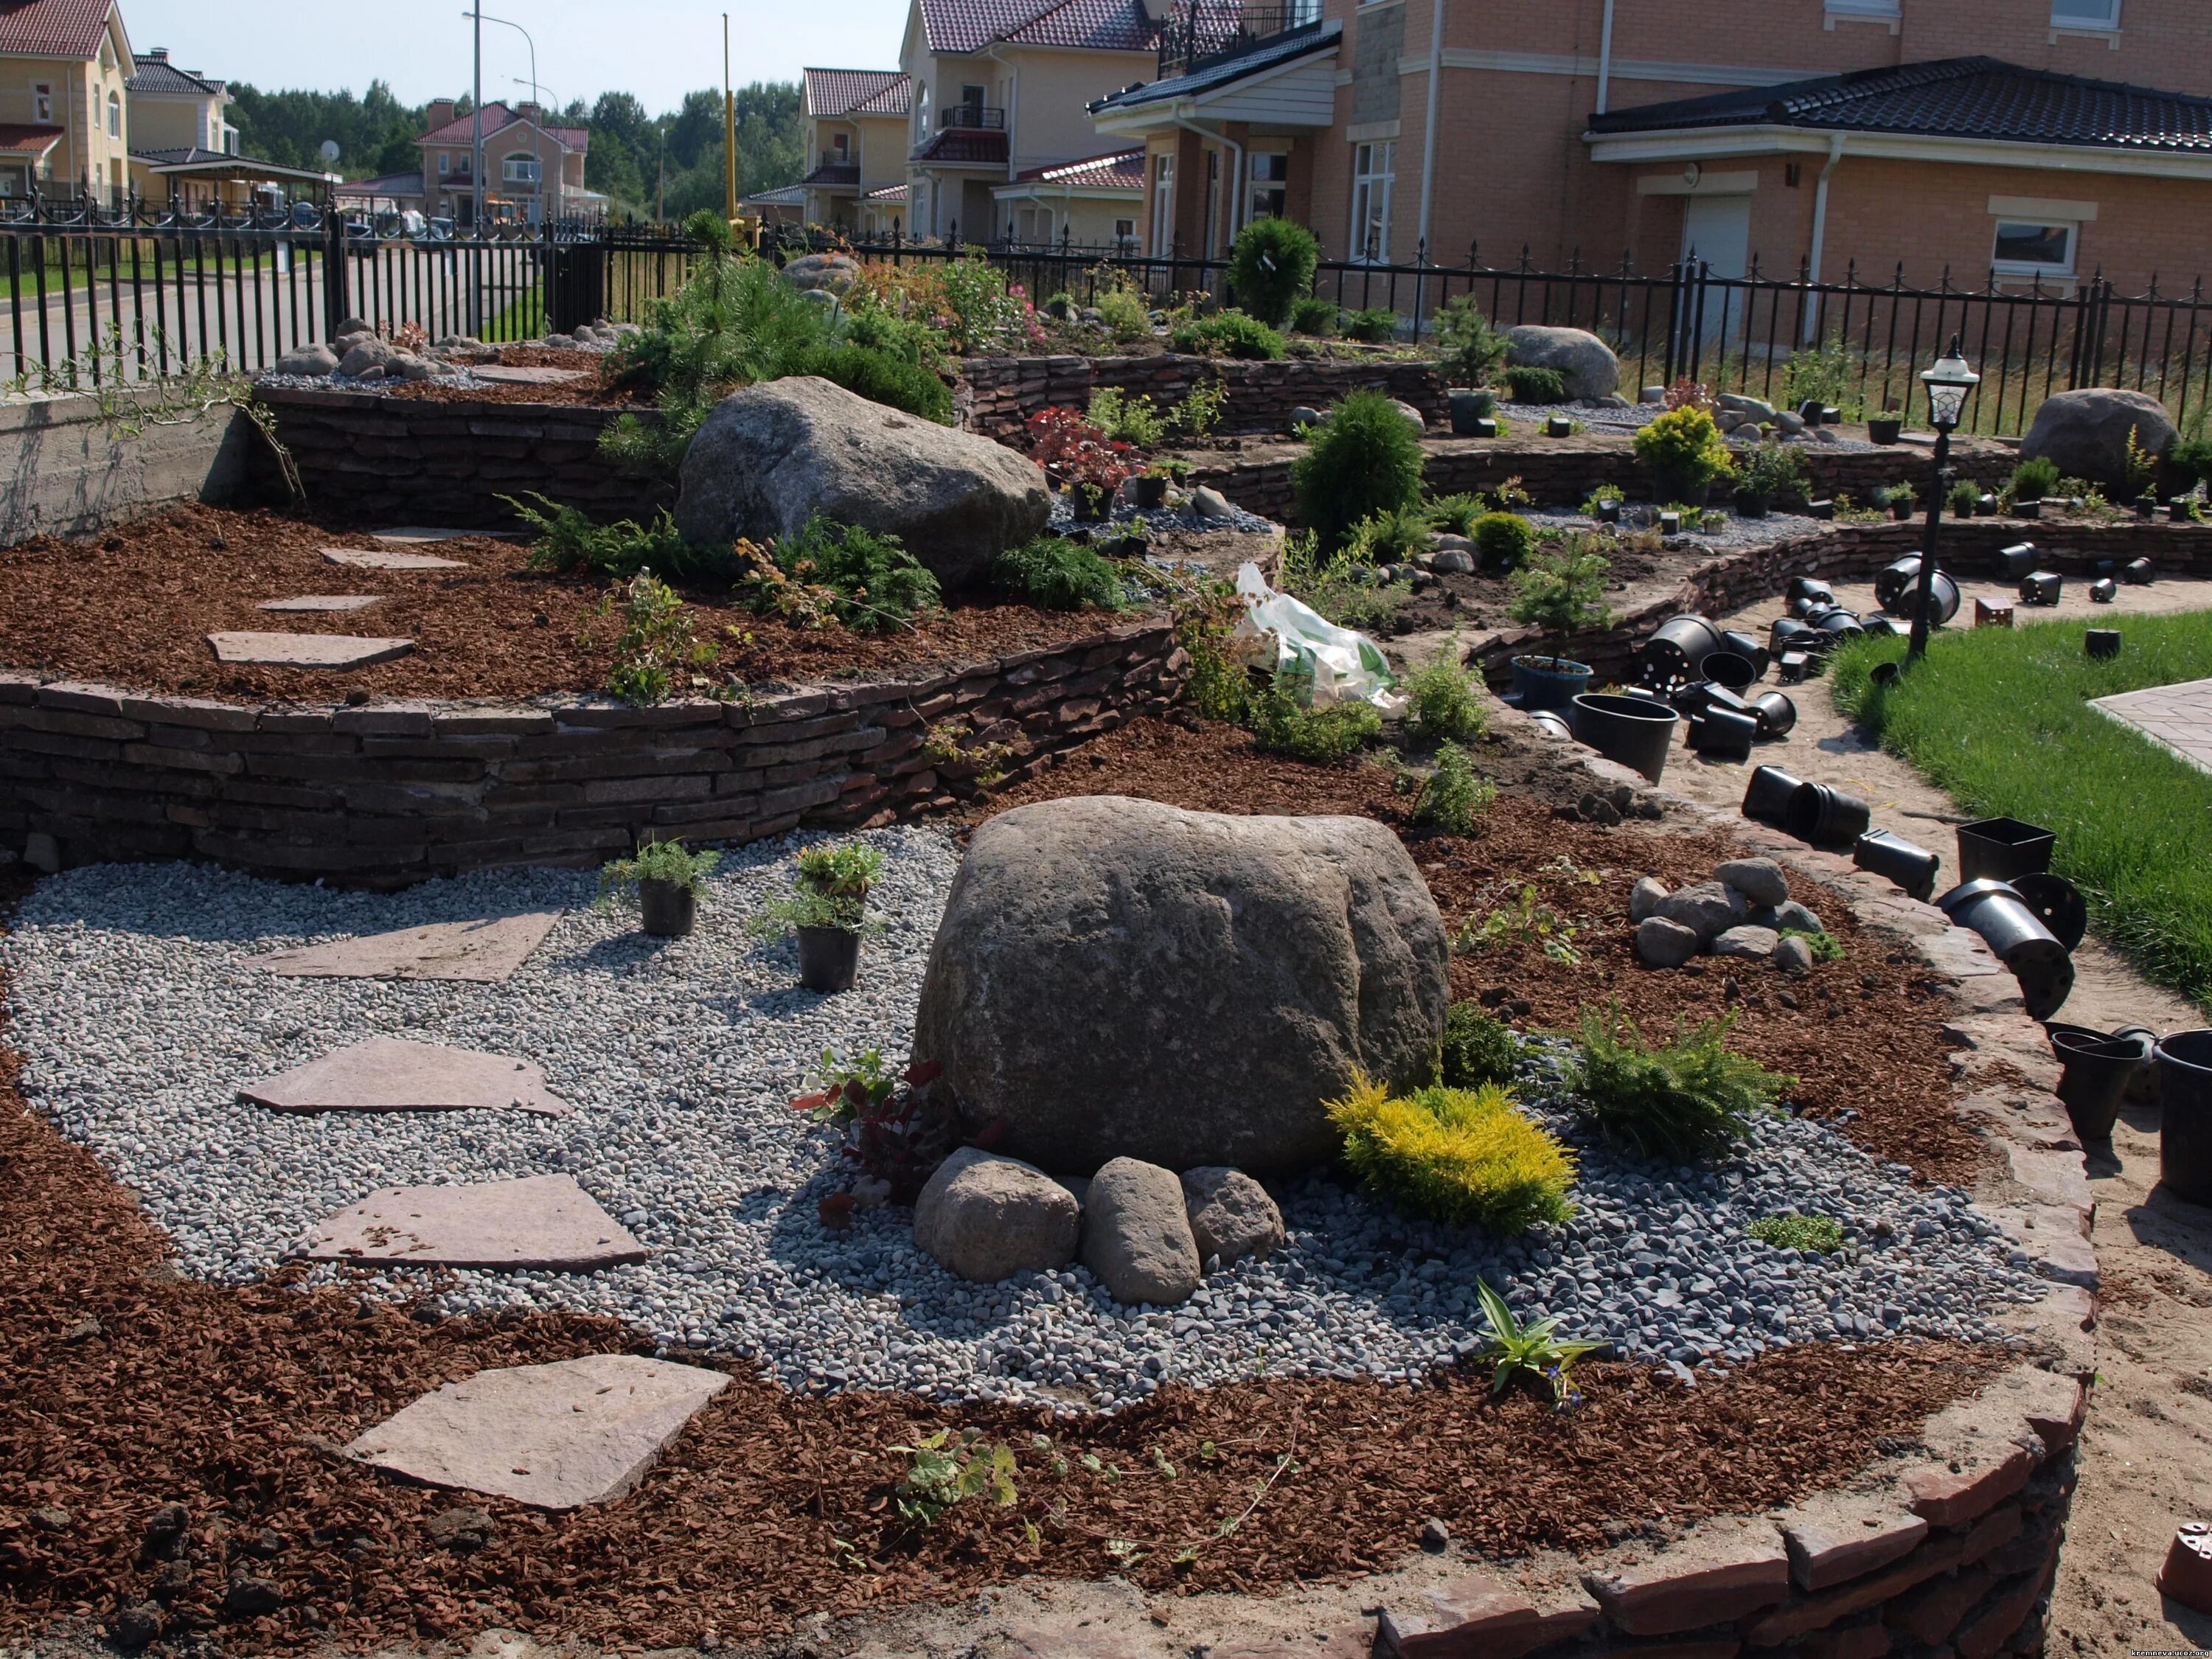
<point x="2000" y="719"/>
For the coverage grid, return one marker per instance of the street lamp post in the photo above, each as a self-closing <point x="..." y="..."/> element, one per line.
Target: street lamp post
<point x="1949" y="382"/>
<point x="481" y="17"/>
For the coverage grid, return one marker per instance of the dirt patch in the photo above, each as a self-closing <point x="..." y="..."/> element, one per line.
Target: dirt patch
<point x="134" y="609"/>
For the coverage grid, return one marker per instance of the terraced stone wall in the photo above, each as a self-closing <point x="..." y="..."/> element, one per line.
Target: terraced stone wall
<point x="387" y="794"/>
<point x="996" y="395"/>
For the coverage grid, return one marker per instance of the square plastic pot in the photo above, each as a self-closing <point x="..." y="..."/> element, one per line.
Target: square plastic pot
<point x="1997" y="849"/>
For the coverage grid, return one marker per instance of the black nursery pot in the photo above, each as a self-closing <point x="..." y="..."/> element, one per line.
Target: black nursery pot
<point x="1913" y="868"/>
<point x="1633" y="731"/>
<point x="828" y="957"/>
<point x="1148" y="492"/>
<point x="1823" y="816"/>
<point x="1998" y="849"/>
<point x="2184" y="1137"/>
<point x="666" y="909"/>
<point x="1766" y="799"/>
<point x="1723" y="734"/>
<point x="2094" y="1080"/>
<point x="2102" y="641"/>
<point x="1883" y="432"/>
<point x="1776" y="714"/>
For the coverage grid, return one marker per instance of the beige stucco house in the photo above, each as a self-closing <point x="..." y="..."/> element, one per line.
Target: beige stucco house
<point x="183" y="149"/>
<point x="64" y="116"/>
<point x="856" y="142"/>
<point x="533" y="168"/>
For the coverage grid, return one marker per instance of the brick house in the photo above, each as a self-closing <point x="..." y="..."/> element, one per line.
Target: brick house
<point x="2029" y="139"/>
<point x="534" y="168"/>
<point x="857" y="122"/>
<point x="64" y="120"/>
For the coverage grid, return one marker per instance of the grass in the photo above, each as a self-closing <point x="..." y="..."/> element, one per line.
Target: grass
<point x="2000" y="719"/>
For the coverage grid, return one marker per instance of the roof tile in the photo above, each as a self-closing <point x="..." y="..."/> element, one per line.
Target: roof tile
<point x="497" y="117"/>
<point x="966" y="25"/>
<point x="833" y="92"/>
<point x="1122" y="170"/>
<point x="53" y="28"/>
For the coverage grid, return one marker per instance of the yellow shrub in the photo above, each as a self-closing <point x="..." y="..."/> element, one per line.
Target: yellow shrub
<point x="1463" y="1156"/>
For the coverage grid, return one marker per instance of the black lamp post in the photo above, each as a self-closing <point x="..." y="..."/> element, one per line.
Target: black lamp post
<point x="1949" y="383"/>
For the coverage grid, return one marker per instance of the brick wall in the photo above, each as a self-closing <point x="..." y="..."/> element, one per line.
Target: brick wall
<point x="996" y="395"/>
<point x="387" y="794"/>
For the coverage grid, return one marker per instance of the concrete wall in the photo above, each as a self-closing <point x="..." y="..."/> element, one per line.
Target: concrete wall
<point x="65" y="472"/>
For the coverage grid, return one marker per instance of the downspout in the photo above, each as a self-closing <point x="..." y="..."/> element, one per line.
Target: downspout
<point x="1819" y="236"/>
<point x="1605" y="57"/>
<point x="1429" y="127"/>
<point x="1235" y="174"/>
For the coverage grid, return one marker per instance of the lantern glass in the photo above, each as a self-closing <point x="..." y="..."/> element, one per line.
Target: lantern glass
<point x="1949" y="381"/>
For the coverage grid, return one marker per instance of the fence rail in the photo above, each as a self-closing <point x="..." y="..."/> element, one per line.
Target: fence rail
<point x="93" y="292"/>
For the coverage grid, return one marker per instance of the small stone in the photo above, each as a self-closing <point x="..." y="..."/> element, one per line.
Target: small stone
<point x="1756" y="943"/>
<point x="52" y="1518"/>
<point x="268" y="1544"/>
<point x="1232" y="1216"/>
<point x="1759" y="880"/>
<point x="870" y="1192"/>
<point x="1644" y="898"/>
<point x="1706" y="909"/>
<point x="249" y="1597"/>
<point x="1794" y="914"/>
<point x="1210" y="503"/>
<point x="1792" y="955"/>
<point x="309" y="361"/>
<point x="1137" y="1236"/>
<point x="1665" y="944"/>
<point x="1596" y="809"/>
<point x="167" y="1523"/>
<point x="1455" y="561"/>
<point x="462" y="1528"/>
<point x="988" y="1218"/>
<point x="136" y="1624"/>
<point x="1435" y="1536"/>
<point x="1305" y="415"/>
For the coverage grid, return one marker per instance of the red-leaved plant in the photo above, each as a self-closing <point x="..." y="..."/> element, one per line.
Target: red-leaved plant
<point x="897" y="1128"/>
<point x="1079" y="455"/>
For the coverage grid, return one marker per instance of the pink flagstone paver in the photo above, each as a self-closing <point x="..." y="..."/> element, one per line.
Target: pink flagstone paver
<point x="409" y="534"/>
<point x="2178" y="716"/>
<point x="539" y="1222"/>
<point x="483" y="952"/>
<point x="377" y="558"/>
<point x="577" y="1432"/>
<point x="536" y="374"/>
<point x="322" y="602"/>
<point x="390" y="1074"/>
<point x="306" y="650"/>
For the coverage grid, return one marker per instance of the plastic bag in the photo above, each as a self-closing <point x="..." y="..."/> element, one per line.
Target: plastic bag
<point x="1319" y="663"/>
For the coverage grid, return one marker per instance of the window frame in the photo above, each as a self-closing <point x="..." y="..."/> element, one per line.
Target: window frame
<point x="1367" y="181"/>
<point x="507" y="175"/>
<point x="2069" y="271"/>
<point x="42" y="102"/>
<point x="114" y="115"/>
<point x="2110" y="24"/>
<point x="1163" y="188"/>
<point x="1278" y="187"/>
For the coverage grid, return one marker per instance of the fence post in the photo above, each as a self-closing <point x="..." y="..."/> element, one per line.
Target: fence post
<point x="335" y="304"/>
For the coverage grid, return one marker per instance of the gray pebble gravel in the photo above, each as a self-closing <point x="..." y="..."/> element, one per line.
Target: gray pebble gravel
<point x="138" y="1019"/>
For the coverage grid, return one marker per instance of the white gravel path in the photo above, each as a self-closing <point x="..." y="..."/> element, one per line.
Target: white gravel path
<point x="137" y="1019"/>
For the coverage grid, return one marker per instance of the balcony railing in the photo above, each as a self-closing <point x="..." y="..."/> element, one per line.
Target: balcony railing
<point x="972" y="115"/>
<point x="1200" y="32"/>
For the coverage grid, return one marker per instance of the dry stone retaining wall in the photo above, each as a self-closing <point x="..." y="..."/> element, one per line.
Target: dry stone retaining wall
<point x="386" y="795"/>
<point x="996" y="395"/>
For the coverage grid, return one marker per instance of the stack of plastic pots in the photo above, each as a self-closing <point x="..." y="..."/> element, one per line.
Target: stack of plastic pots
<point x="2018" y="939"/>
<point x="1824" y="816"/>
<point x="1766" y="798"/>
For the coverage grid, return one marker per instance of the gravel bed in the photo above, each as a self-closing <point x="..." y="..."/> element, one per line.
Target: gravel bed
<point x="137" y="1021"/>
<point x="1124" y="517"/>
<point x="1734" y="532"/>
<point x="460" y="379"/>
<point x="1528" y="420"/>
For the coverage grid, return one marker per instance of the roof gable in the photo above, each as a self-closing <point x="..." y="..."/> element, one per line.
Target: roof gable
<point x="834" y="92"/>
<point x="158" y="77"/>
<point x="497" y="117"/>
<point x="53" y="28"/>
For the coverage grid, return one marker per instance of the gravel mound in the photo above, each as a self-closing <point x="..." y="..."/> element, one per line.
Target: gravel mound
<point x="1124" y="517"/>
<point x="137" y="1019"/>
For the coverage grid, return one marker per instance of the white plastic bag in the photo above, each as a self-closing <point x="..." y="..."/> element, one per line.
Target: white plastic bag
<point x="1321" y="662"/>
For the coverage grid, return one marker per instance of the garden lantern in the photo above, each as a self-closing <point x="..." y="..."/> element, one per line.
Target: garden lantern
<point x="1950" y="381"/>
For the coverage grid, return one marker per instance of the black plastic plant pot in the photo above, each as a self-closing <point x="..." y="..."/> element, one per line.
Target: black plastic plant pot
<point x="1637" y="731"/>
<point x="2042" y="587"/>
<point x="2102" y="643"/>
<point x="1694" y="700"/>
<point x="1748" y="645"/>
<point x="2028" y="509"/>
<point x="2058" y="903"/>
<point x="1788" y="633"/>
<point x="1808" y="587"/>
<point x="1750" y="504"/>
<point x="1809" y="411"/>
<point x="1484" y="428"/>
<point x="1823" y="509"/>
<point x="1792" y="667"/>
<point x="2092" y="1081"/>
<point x="1997" y="849"/>
<point x="1994" y="909"/>
<point x="1549" y="682"/>
<point x="1824" y="816"/>
<point x="1884" y="432"/>
<point x="1776" y="714"/>
<point x="1147" y="492"/>
<point x="1902" y="511"/>
<point x="666" y="909"/>
<point x="2104" y="591"/>
<point x="1892" y="856"/>
<point x="1884" y="627"/>
<point x="2185" y="1136"/>
<point x="1885" y="673"/>
<point x="1985" y="506"/>
<point x="1891" y="581"/>
<point x="1731" y="669"/>
<point x="1723" y="734"/>
<point x="1551" y="721"/>
<point x="1766" y="798"/>
<point x="1608" y="511"/>
<point x="2178" y="513"/>
<point x="2138" y="573"/>
<point x="1831" y="628"/>
<point x="828" y="957"/>
<point x="2147" y="509"/>
<point x="1676" y="651"/>
<point x="1559" y="426"/>
<point x="2018" y="560"/>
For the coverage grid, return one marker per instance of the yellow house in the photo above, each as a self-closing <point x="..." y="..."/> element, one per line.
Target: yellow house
<point x="64" y="120"/>
<point x="1000" y="95"/>
<point x="856" y="142"/>
<point x="183" y="149"/>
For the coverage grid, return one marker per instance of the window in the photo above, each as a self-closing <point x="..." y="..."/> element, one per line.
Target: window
<point x="1371" y="177"/>
<point x="2033" y="249"/>
<point x="519" y="169"/>
<point x="42" y="101"/>
<point x="972" y="96"/>
<point x="2085" y="13"/>
<point x="445" y="162"/>
<point x="1163" y="204"/>
<point x="1036" y="225"/>
<point x="1271" y="178"/>
<point x="922" y="110"/>
<point x="114" y="116"/>
<point x="1862" y="7"/>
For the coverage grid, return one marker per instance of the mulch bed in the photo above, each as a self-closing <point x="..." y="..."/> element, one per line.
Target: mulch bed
<point x="592" y="388"/>
<point x="134" y="607"/>
<point x="1862" y="1036"/>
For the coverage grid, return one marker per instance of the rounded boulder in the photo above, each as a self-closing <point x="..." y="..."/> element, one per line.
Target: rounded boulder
<point x="1117" y="978"/>
<point x="1137" y="1236"/>
<point x="1585" y="363"/>
<point x="2084" y="434"/>
<point x="988" y="1218"/>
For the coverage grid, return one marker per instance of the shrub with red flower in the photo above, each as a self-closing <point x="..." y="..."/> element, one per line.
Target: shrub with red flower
<point x="1079" y="455"/>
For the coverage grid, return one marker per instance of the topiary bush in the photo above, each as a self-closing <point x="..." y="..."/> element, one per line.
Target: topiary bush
<point x="1683" y="1100"/>
<point x="1526" y="384"/>
<point x="1056" y="573"/>
<point x="1270" y="268"/>
<point x="1463" y="1157"/>
<point x="1502" y="541"/>
<point x="1228" y="334"/>
<point x="1371" y="325"/>
<point x="1365" y="461"/>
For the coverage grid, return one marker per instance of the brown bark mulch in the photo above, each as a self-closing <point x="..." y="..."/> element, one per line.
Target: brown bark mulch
<point x="1862" y="1036"/>
<point x="134" y="609"/>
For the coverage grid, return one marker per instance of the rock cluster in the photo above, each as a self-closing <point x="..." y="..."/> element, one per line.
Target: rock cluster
<point x="1150" y="1236"/>
<point x="1743" y="912"/>
<point x="356" y="352"/>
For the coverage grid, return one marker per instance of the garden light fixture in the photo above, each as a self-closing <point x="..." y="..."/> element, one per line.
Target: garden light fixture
<point x="1950" y="381"/>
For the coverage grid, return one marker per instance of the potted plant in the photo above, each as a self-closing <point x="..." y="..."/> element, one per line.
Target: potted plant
<point x="1560" y="590"/>
<point x="1900" y="501"/>
<point x="1772" y="472"/>
<point x="828" y="909"/>
<point x="668" y="877"/>
<point x="1473" y="412"/>
<point x="1883" y="428"/>
<point x="1149" y="488"/>
<point x="1684" y="452"/>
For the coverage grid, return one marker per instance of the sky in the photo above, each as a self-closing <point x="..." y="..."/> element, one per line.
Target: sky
<point x="657" y="49"/>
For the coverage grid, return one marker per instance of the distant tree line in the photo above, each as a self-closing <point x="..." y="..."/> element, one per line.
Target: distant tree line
<point x="646" y="164"/>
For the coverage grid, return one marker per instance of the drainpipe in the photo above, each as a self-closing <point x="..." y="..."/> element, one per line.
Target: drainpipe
<point x="1235" y="174"/>
<point x="1605" y="57"/>
<point x="1819" y="234"/>
<point x="1428" y="126"/>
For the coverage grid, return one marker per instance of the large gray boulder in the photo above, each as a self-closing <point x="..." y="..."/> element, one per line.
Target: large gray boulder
<point x="1116" y="978"/>
<point x="1585" y="362"/>
<point x="2086" y="433"/>
<point x="988" y="1218"/>
<point x="1136" y="1237"/>
<point x="771" y="456"/>
<point x="813" y="272"/>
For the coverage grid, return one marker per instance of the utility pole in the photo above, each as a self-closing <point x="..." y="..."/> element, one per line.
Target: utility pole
<point x="729" y="132"/>
<point x="475" y="116"/>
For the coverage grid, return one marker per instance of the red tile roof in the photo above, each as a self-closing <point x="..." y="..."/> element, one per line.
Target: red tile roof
<point x="965" y="147"/>
<point x="886" y="193"/>
<point x="833" y="175"/>
<point x="832" y="92"/>
<point x="461" y="130"/>
<point x="18" y="138"/>
<point x="966" y="25"/>
<point x="53" y="28"/>
<point x="1123" y="170"/>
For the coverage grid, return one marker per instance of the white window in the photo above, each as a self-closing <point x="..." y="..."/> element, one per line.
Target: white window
<point x="445" y="162"/>
<point x="2085" y="13"/>
<point x="42" y="101"/>
<point x="1163" y="204"/>
<point x="1860" y="7"/>
<point x="114" y="116"/>
<point x="1271" y="178"/>
<point x="1371" y="177"/>
<point x="1125" y="233"/>
<point x="922" y="110"/>
<point x="519" y="169"/>
<point x="2026" y="249"/>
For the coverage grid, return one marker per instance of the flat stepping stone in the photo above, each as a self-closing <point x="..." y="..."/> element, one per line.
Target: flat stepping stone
<point x="306" y="650"/>
<point x="507" y="374"/>
<point x="574" y="1433"/>
<point x="322" y="602"/>
<point x="406" y="535"/>
<point x="481" y="952"/>
<point x="377" y="558"/>
<point x="389" y="1074"/>
<point x="540" y="1222"/>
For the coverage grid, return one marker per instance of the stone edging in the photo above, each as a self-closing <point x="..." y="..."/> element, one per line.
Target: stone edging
<point x="996" y="395"/>
<point x="386" y="795"/>
<point x="1949" y="1547"/>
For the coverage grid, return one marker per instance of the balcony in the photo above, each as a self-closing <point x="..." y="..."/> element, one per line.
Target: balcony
<point x="1202" y="33"/>
<point x="975" y="118"/>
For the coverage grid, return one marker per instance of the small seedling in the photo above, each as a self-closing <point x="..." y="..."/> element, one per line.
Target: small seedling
<point x="1160" y="1462"/>
<point x="1529" y="1354"/>
<point x="1825" y="946"/>
<point x="1526" y="920"/>
<point x="1820" y="1233"/>
<point x="942" y="1476"/>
